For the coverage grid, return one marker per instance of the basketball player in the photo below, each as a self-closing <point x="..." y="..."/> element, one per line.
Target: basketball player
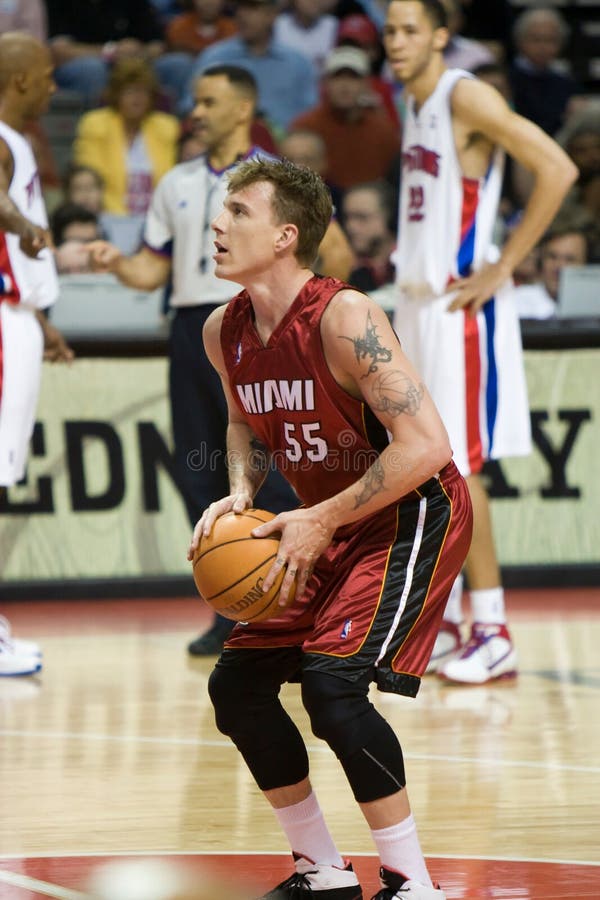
<point x="456" y="314"/>
<point x="178" y="243"/>
<point x="28" y="282"/>
<point x="314" y="374"/>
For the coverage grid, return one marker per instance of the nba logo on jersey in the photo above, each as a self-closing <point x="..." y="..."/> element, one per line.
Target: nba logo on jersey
<point x="346" y="629"/>
<point x="238" y="353"/>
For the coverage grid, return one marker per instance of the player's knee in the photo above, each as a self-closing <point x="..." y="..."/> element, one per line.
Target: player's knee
<point x="369" y="751"/>
<point x="336" y="708"/>
<point x="228" y="696"/>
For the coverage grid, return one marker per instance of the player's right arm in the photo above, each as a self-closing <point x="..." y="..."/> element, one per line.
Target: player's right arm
<point x="33" y="237"/>
<point x="247" y="457"/>
<point x="145" y="270"/>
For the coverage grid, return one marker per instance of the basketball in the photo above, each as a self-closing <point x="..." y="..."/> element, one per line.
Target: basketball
<point x="230" y="566"/>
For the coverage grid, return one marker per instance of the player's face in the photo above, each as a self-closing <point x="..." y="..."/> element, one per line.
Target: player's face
<point x="245" y="233"/>
<point x="40" y="85"/>
<point x="410" y="40"/>
<point x="219" y="109"/>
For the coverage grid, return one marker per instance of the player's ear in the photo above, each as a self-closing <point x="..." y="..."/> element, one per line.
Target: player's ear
<point x="441" y="36"/>
<point x="288" y="234"/>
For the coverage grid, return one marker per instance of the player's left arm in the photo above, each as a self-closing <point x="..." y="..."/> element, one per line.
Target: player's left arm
<point x="366" y="359"/>
<point x="481" y="110"/>
<point x="56" y="348"/>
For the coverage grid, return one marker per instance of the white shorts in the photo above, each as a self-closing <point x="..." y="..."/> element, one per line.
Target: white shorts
<point x="473" y="368"/>
<point x="21" y="352"/>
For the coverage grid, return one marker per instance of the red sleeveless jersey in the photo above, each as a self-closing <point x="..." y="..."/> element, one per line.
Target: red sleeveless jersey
<point x="320" y="437"/>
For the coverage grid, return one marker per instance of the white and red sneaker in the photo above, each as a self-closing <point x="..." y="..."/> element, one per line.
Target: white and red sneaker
<point x="447" y="644"/>
<point x="489" y="654"/>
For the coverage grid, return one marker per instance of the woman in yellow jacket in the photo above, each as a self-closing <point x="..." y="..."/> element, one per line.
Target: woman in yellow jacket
<point x="128" y="142"/>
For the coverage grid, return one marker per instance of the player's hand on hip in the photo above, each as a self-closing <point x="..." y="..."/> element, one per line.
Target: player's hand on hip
<point x="33" y="240"/>
<point x="304" y="537"/>
<point x="472" y="292"/>
<point x="237" y="503"/>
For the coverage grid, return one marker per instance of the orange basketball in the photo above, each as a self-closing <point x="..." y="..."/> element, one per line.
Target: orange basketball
<point x="230" y="566"/>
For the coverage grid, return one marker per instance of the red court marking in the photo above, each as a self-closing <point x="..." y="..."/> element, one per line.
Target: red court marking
<point x="462" y="879"/>
<point x="36" y="618"/>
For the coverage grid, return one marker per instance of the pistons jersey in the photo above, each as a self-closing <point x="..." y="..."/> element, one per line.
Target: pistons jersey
<point x="446" y="220"/>
<point x="31" y="282"/>
<point x="320" y="437"/>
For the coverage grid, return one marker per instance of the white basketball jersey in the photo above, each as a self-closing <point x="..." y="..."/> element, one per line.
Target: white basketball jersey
<point x="178" y="224"/>
<point x="446" y="220"/>
<point x="472" y="365"/>
<point x="29" y="281"/>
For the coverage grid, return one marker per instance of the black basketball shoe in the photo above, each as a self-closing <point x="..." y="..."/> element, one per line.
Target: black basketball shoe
<point x="394" y="886"/>
<point x="318" y="881"/>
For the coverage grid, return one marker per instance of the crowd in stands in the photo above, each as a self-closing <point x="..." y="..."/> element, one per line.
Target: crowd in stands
<point x="327" y="100"/>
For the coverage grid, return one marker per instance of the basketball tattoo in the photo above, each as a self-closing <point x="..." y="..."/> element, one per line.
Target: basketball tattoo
<point x="395" y="393"/>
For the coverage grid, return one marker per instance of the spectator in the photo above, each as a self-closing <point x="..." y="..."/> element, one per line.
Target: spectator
<point x="359" y="31"/>
<point x="361" y="141"/>
<point x="72" y="228"/>
<point x="564" y="244"/>
<point x="581" y="139"/>
<point x="462" y="52"/>
<point x="203" y="24"/>
<point x="86" y="39"/>
<point x="307" y="148"/>
<point x="128" y="142"/>
<point x="28" y="16"/>
<point x="369" y="220"/>
<point x="286" y="80"/>
<point x="540" y="92"/>
<point x="306" y="28"/>
<point x="84" y="186"/>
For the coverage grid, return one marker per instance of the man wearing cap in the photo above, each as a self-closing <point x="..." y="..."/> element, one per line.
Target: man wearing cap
<point x="362" y="142"/>
<point x="287" y="80"/>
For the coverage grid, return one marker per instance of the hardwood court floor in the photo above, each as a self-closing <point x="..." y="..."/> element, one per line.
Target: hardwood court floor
<point x="113" y="751"/>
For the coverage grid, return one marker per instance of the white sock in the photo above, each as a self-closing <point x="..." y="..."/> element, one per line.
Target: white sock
<point x="399" y="849"/>
<point x="453" y="611"/>
<point x="307" y="833"/>
<point x="488" y="606"/>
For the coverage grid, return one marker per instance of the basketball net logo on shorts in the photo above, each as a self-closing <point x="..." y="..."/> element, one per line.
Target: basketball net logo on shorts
<point x="263" y="396"/>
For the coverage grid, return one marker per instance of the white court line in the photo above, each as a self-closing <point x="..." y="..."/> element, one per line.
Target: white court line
<point x="41" y="887"/>
<point x="497" y="762"/>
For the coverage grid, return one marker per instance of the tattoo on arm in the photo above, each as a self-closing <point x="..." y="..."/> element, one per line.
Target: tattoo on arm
<point x="395" y="393"/>
<point x="369" y="347"/>
<point x="372" y="483"/>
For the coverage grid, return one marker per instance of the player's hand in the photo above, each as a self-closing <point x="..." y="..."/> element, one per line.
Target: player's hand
<point x="232" y="503"/>
<point x="304" y="537"/>
<point x="472" y="292"/>
<point x="56" y="348"/>
<point x="103" y="256"/>
<point x="34" y="239"/>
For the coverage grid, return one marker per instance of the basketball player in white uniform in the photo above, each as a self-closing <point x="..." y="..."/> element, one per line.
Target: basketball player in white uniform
<point x="178" y="241"/>
<point x="455" y="314"/>
<point x="28" y="282"/>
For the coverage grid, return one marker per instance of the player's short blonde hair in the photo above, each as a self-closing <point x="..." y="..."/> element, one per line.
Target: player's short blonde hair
<point x="300" y="197"/>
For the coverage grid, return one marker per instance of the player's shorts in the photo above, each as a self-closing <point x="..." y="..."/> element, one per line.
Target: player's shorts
<point x="375" y="600"/>
<point x="473" y="368"/>
<point x="21" y="352"/>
